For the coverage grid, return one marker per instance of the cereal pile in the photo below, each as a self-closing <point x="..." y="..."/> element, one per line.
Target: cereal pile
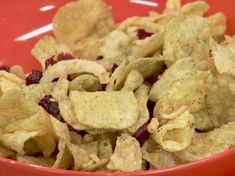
<point x="148" y="93"/>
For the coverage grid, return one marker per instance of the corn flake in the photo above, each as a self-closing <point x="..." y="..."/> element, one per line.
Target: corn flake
<point x="108" y="106"/>
<point x="127" y="155"/>
<point x="176" y="134"/>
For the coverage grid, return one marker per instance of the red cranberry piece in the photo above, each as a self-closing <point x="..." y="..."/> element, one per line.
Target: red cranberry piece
<point x="154" y="78"/>
<point x="142" y="134"/>
<point x="49" y="62"/>
<point x="115" y="66"/>
<point x="64" y="56"/>
<point x="83" y="133"/>
<point x="151" y="80"/>
<point x="99" y="57"/>
<point x="69" y="78"/>
<point x="103" y="87"/>
<point x="147" y="165"/>
<point x="55" y="80"/>
<point x="34" y="77"/>
<point x="5" y="68"/>
<point x="50" y="105"/>
<point x="200" y="131"/>
<point x="142" y="34"/>
<point x="55" y="152"/>
<point x="150" y="106"/>
<point x="163" y="69"/>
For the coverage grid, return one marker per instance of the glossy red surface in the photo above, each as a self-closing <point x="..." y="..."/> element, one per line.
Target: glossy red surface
<point x="18" y="18"/>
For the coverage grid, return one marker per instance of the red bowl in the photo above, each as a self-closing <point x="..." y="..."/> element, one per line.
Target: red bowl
<point x="23" y="22"/>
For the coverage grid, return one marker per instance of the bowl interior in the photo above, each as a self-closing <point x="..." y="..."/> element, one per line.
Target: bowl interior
<point x="23" y="23"/>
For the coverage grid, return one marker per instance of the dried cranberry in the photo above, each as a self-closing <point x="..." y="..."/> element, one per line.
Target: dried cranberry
<point x="55" y="80"/>
<point x="150" y="106"/>
<point x="34" y="77"/>
<point x="64" y="56"/>
<point x="154" y="78"/>
<point x="55" y="152"/>
<point x="142" y="134"/>
<point x="164" y="67"/>
<point x="99" y="57"/>
<point x="142" y="34"/>
<point x="201" y="131"/>
<point x="103" y="87"/>
<point x="147" y="165"/>
<point x="82" y="133"/>
<point x="5" y="68"/>
<point x="50" y="105"/>
<point x="69" y="78"/>
<point x="49" y="62"/>
<point x="151" y="80"/>
<point x="36" y="153"/>
<point x="115" y="66"/>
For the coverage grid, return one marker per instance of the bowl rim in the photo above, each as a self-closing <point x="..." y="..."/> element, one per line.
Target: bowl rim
<point x="180" y="167"/>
